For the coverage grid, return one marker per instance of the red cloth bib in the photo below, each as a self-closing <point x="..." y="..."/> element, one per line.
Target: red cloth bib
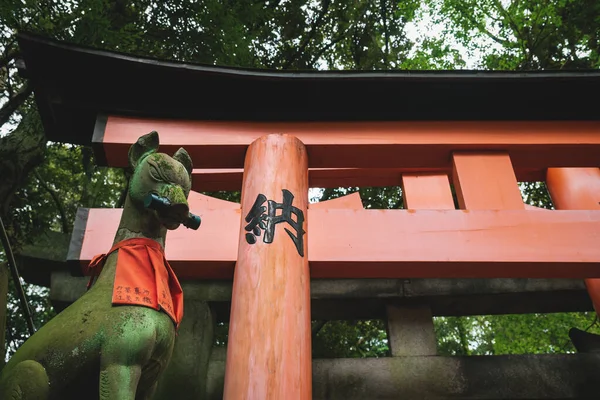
<point x="143" y="277"/>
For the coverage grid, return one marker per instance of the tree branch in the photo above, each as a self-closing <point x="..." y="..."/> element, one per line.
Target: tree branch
<point x="15" y="102"/>
<point x="511" y="22"/>
<point x="59" y="205"/>
<point x="386" y="34"/>
<point x="10" y="53"/>
<point x="311" y="34"/>
<point x="329" y="46"/>
<point x="508" y="16"/>
<point x="484" y="30"/>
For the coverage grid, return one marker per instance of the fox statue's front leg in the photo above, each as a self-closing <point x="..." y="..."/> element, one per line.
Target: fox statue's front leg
<point x="124" y="359"/>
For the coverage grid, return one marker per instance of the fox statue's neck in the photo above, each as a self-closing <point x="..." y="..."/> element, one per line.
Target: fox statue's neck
<point x="135" y="223"/>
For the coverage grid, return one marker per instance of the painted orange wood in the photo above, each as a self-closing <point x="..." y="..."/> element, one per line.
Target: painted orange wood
<point x="574" y="188"/>
<point x="269" y="344"/>
<point x="393" y="243"/>
<point x="577" y="189"/>
<point x="534" y="208"/>
<point x="216" y="240"/>
<point x="231" y="179"/>
<point x="427" y="192"/>
<point x="370" y="144"/>
<point x="198" y="201"/>
<point x="453" y="243"/>
<point x="486" y="181"/>
<point x="348" y="202"/>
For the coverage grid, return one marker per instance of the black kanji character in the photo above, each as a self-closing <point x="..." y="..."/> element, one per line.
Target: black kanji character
<point x="256" y="219"/>
<point x="259" y="219"/>
<point x="286" y="216"/>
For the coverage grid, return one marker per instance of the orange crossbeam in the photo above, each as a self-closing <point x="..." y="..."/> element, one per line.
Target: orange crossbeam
<point x="355" y="243"/>
<point x="407" y="145"/>
<point x="208" y="180"/>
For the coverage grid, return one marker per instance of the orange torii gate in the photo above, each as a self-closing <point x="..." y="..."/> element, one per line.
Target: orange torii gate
<point x="493" y="234"/>
<point x="274" y="242"/>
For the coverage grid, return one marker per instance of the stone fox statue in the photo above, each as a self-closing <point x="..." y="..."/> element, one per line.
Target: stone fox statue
<point x="115" y="341"/>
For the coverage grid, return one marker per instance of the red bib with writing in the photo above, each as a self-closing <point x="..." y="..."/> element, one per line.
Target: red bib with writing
<point x="143" y="277"/>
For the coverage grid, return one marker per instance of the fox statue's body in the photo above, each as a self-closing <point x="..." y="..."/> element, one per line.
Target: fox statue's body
<point x="94" y="349"/>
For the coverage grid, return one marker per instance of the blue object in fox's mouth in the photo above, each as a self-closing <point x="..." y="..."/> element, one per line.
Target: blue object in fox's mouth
<point x="193" y="221"/>
<point x="158" y="203"/>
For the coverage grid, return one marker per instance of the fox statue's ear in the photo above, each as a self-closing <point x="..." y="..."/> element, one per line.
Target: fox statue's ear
<point x="144" y="146"/>
<point x="184" y="158"/>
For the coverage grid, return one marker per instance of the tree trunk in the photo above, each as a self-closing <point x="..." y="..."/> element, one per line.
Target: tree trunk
<point x="20" y="152"/>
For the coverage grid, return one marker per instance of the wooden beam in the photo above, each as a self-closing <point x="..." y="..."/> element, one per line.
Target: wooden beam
<point x="349" y="202"/>
<point x="215" y="179"/>
<point x="389" y="243"/>
<point x="531" y="145"/>
<point x="486" y="182"/>
<point x="427" y="192"/>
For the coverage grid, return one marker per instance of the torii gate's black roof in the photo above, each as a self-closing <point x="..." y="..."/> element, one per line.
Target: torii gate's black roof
<point x="73" y="84"/>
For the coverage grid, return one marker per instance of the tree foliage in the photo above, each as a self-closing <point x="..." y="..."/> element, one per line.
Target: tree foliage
<point x="525" y="35"/>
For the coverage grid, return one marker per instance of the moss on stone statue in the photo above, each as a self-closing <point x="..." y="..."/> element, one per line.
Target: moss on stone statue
<point x="91" y="337"/>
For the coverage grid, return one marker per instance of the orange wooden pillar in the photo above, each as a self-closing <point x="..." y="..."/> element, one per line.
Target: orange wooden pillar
<point x="269" y="347"/>
<point x="577" y="189"/>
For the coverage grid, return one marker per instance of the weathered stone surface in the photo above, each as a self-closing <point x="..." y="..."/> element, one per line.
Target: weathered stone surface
<point x="65" y="289"/>
<point x="572" y="376"/>
<point x="46" y="254"/>
<point x="368" y="298"/>
<point x="410" y="331"/>
<point x="186" y="376"/>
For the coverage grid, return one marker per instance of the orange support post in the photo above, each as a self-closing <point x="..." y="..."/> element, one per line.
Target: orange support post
<point x="269" y="347"/>
<point x="486" y="181"/>
<point x="577" y="189"/>
<point x="427" y="192"/>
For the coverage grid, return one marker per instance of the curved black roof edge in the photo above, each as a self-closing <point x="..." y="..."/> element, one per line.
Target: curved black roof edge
<point x="73" y="84"/>
<point x="304" y="74"/>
